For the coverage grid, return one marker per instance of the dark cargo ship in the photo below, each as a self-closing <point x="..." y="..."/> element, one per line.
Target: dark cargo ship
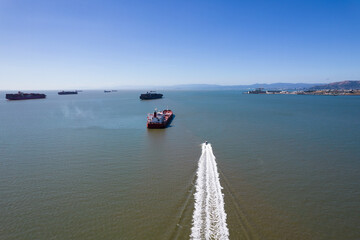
<point x="150" y="95"/>
<point x="159" y="119"/>
<point x="24" y="96"/>
<point x="67" y="92"/>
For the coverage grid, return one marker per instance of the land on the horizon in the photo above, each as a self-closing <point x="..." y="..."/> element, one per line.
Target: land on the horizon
<point x="348" y="88"/>
<point x="342" y="85"/>
<point x="242" y="87"/>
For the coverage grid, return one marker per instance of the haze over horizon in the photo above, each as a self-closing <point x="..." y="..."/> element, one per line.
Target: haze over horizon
<point x="95" y="44"/>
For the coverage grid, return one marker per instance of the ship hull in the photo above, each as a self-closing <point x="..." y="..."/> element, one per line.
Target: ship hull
<point x="150" y="96"/>
<point x="14" y="97"/>
<point x="67" y="93"/>
<point x="156" y="126"/>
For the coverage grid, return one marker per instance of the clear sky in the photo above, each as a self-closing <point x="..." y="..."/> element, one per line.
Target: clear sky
<point x="101" y="44"/>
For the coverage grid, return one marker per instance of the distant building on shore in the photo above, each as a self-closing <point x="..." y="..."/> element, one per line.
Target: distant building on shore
<point x="257" y="91"/>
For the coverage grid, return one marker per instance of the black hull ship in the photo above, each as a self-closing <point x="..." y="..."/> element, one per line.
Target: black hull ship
<point x="67" y="92"/>
<point x="24" y="96"/>
<point x="150" y="95"/>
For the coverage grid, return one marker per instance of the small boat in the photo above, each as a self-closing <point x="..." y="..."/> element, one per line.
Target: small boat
<point x="159" y="119"/>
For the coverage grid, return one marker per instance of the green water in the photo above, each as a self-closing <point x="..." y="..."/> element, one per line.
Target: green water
<point x="85" y="166"/>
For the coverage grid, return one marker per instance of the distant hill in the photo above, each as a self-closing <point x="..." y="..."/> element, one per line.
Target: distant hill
<point x="282" y="85"/>
<point x="243" y="87"/>
<point x="344" y="85"/>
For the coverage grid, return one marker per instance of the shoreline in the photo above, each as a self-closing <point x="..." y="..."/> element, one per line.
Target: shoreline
<point x="327" y="92"/>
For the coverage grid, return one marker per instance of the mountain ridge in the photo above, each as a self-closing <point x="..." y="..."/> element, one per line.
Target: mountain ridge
<point x="242" y="87"/>
<point x="342" y="85"/>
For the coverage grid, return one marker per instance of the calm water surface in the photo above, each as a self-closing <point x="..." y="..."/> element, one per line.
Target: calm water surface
<point x="85" y="166"/>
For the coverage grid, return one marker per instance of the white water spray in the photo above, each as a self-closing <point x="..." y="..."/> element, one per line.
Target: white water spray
<point x="209" y="217"/>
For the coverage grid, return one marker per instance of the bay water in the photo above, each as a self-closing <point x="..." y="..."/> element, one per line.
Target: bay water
<point x="86" y="167"/>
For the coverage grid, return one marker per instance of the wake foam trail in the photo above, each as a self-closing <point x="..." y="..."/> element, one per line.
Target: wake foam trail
<point x="209" y="217"/>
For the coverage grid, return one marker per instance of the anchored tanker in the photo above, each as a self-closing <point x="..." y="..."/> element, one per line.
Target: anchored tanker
<point x="159" y="119"/>
<point x="150" y="95"/>
<point x="67" y="92"/>
<point x="24" y="96"/>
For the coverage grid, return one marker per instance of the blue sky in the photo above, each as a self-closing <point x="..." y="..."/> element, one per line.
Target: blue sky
<point x="105" y="44"/>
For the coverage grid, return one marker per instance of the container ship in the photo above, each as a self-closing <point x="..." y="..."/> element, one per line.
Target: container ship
<point x="150" y="95"/>
<point x="67" y="92"/>
<point x="24" y="96"/>
<point x="159" y="119"/>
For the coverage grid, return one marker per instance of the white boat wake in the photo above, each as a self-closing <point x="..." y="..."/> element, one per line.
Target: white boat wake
<point x="209" y="217"/>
